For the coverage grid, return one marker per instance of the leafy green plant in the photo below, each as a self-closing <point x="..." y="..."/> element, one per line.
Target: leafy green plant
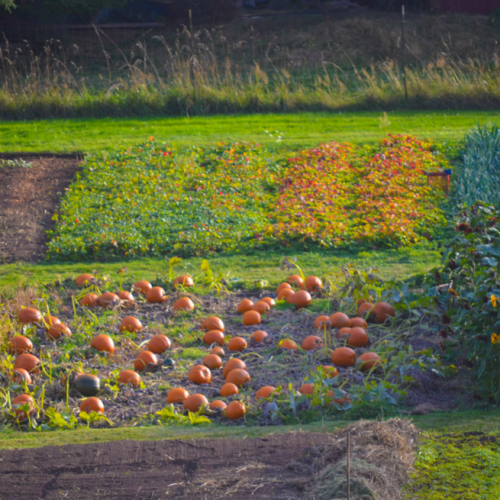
<point x="169" y="414"/>
<point x="94" y="417"/>
<point x="60" y="420"/>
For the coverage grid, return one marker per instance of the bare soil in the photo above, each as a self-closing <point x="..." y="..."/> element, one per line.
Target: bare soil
<point x="261" y="468"/>
<point x="28" y="199"/>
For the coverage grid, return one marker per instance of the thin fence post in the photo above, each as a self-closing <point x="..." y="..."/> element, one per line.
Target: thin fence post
<point x="348" y="465"/>
<point x="403" y="43"/>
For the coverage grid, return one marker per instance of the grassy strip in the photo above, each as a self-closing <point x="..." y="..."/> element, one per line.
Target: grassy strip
<point x="391" y="263"/>
<point x="284" y="131"/>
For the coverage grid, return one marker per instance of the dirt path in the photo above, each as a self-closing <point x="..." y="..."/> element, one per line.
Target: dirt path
<point x="28" y="198"/>
<point x="234" y="469"/>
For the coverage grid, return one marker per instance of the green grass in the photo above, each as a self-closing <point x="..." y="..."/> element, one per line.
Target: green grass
<point x="297" y="129"/>
<point x="392" y="263"/>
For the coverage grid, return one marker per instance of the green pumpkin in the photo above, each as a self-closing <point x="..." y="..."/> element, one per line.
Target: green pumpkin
<point x="87" y="385"/>
<point x="169" y="363"/>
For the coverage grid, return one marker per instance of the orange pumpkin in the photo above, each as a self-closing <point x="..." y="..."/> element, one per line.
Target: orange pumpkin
<point x="127" y="377"/>
<point x="103" y="343"/>
<point x="238" y="377"/>
<point x="251" y="318"/>
<point x="322" y="321"/>
<point x="340" y="401"/>
<point x="127" y="297"/>
<point x="159" y="344"/>
<point x="357" y="337"/>
<point x="369" y="360"/>
<point x="194" y="402"/>
<point x="344" y="331"/>
<point x="312" y="342"/>
<point x="259" y="335"/>
<point x="302" y="299"/>
<point x="156" y="295"/>
<point x="382" y="311"/>
<point x="261" y="307"/>
<point x="245" y="305"/>
<point x="213" y="323"/>
<point x="108" y="299"/>
<point x="233" y="364"/>
<point x="235" y="410"/>
<point x="200" y="374"/>
<point x="264" y="392"/>
<point x="284" y="293"/>
<point x="145" y="359"/>
<point x="20" y="344"/>
<point x="306" y="389"/>
<point x="214" y="336"/>
<point x="339" y="320"/>
<point x="89" y="300"/>
<point x="237" y="344"/>
<point x="331" y="371"/>
<point x="290" y="298"/>
<point x="177" y="395"/>
<point x="343" y="356"/>
<point x="27" y="362"/>
<point x="142" y="287"/>
<point x="56" y="331"/>
<point x="359" y="322"/>
<point x="184" y="280"/>
<point x="49" y="320"/>
<point x="183" y="304"/>
<point x="92" y="404"/>
<point x="212" y="361"/>
<point x="269" y="300"/>
<point x="130" y="324"/>
<point x="313" y="284"/>
<point x="289" y="344"/>
<point x="228" y="389"/>
<point x="364" y="309"/>
<point x="84" y="279"/>
<point x="20" y="375"/>
<point x="29" y="315"/>
<point x="282" y="286"/>
<point x="217" y="404"/>
<point x="21" y="400"/>
<point x="218" y="351"/>
<point x="296" y="280"/>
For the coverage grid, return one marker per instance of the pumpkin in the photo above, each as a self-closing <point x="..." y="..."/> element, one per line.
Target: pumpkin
<point x="361" y="301"/>
<point x="284" y="293"/>
<point x="200" y="374"/>
<point x="339" y="320"/>
<point x="29" y="315"/>
<point x="129" y="377"/>
<point x="108" y="299"/>
<point x="169" y="363"/>
<point x="159" y="344"/>
<point x="84" y="279"/>
<point x="89" y="300"/>
<point x="302" y="299"/>
<point x="313" y="284"/>
<point x="251" y="318"/>
<point x="344" y="331"/>
<point x="228" y="389"/>
<point x="331" y="371"/>
<point x="183" y="304"/>
<point x="259" y="335"/>
<point x="340" y="401"/>
<point x="269" y="300"/>
<point x="235" y="410"/>
<point x="282" y="286"/>
<point x="142" y="287"/>
<point x="103" y="343"/>
<point x="20" y="344"/>
<point x="177" y="395"/>
<point x="184" y="280"/>
<point x="357" y="337"/>
<point x="217" y="404"/>
<point x="306" y="389"/>
<point x="245" y="305"/>
<point x="261" y="307"/>
<point x="127" y="297"/>
<point x="21" y="375"/>
<point x="212" y="361"/>
<point x="322" y="321"/>
<point x="296" y="280"/>
<point x="214" y="336"/>
<point x="55" y="331"/>
<point x="343" y="356"/>
<point x="312" y="342"/>
<point x="144" y="360"/>
<point x="369" y="360"/>
<point x="382" y="311"/>
<point x="21" y="400"/>
<point x="237" y="344"/>
<point x="130" y="324"/>
<point x="194" y="402"/>
<point x="218" y="351"/>
<point x="264" y="392"/>
<point x="87" y="385"/>
<point x="27" y="362"/>
<point x="213" y="323"/>
<point x="92" y="404"/>
<point x="288" y="344"/>
<point x="290" y="298"/>
<point x="359" y="322"/>
<point x="49" y="320"/>
<point x="156" y="295"/>
<point x="364" y="309"/>
<point x="238" y="377"/>
<point x="232" y="364"/>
